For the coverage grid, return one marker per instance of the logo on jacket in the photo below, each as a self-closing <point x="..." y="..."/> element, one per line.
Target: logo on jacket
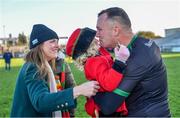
<point x="149" y="43"/>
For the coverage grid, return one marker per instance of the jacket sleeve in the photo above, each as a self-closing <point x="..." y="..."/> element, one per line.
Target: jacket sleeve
<point x="40" y="97"/>
<point x="99" y="69"/>
<point x="110" y="101"/>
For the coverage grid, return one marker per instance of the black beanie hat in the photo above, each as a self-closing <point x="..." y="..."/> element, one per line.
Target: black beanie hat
<point x="41" y="33"/>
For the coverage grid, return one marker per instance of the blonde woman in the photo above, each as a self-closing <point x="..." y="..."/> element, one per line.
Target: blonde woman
<point x="36" y="94"/>
<point x="98" y="65"/>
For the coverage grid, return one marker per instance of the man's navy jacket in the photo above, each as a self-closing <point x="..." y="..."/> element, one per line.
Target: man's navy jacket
<point x="144" y="86"/>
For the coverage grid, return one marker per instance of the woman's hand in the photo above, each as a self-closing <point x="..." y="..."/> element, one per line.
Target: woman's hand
<point x="87" y="89"/>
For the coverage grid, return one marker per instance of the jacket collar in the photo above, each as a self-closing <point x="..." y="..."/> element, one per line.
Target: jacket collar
<point x="130" y="45"/>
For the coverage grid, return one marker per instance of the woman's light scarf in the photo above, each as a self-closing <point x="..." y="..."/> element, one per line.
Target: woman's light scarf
<point x="53" y="89"/>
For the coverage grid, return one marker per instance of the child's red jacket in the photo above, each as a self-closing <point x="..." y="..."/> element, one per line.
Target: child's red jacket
<point x="99" y="68"/>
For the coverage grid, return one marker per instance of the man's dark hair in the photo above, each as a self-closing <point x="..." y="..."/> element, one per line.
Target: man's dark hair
<point x="117" y="14"/>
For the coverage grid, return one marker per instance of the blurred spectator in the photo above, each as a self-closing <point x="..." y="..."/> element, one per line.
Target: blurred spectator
<point x="7" y="57"/>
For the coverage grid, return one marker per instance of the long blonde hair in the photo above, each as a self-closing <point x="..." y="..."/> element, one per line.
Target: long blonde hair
<point x="91" y="51"/>
<point x="36" y="56"/>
